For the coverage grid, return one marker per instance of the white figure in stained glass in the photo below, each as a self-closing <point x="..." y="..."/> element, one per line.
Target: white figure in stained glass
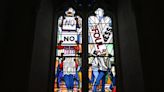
<point x="69" y="32"/>
<point x="95" y="66"/>
<point x="101" y="25"/>
<point x="69" y="45"/>
<point x="100" y="35"/>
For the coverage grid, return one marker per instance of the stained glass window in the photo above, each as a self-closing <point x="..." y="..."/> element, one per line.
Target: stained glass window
<point x="68" y="75"/>
<point x="101" y="57"/>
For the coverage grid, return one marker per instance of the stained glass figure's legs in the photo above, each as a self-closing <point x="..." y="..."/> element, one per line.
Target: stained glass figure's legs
<point x="100" y="76"/>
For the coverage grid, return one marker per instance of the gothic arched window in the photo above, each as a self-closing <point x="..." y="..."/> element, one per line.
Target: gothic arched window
<point x="101" y="52"/>
<point x="68" y="53"/>
<point x="84" y="55"/>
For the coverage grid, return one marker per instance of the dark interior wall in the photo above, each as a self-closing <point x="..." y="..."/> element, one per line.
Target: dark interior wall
<point x="149" y="17"/>
<point x="17" y="21"/>
<point x="130" y="60"/>
<point x="39" y="70"/>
